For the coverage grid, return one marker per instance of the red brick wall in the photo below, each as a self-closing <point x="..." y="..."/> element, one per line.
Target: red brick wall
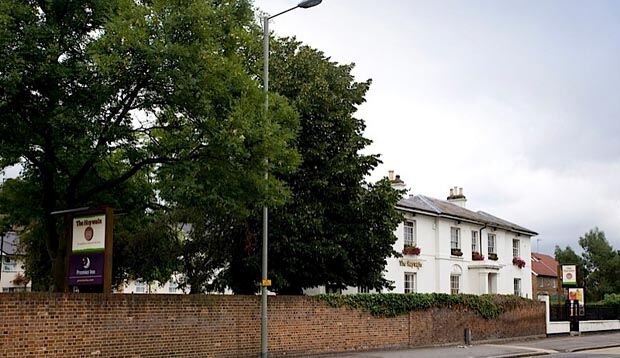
<point x="77" y="325"/>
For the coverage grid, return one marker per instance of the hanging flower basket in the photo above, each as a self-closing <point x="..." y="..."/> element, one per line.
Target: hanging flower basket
<point x="476" y="256"/>
<point x="519" y="262"/>
<point x="411" y="250"/>
<point x="493" y="256"/>
<point x="456" y="252"/>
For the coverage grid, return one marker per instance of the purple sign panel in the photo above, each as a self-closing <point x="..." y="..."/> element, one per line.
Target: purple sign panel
<point x="86" y="269"/>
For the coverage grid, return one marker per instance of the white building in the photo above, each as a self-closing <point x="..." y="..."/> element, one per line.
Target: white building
<point x="451" y="249"/>
<point x="460" y="250"/>
<point x="12" y="275"/>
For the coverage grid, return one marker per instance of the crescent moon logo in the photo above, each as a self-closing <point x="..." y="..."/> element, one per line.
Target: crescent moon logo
<point x="86" y="262"/>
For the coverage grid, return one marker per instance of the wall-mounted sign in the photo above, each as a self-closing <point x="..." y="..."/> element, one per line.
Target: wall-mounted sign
<point x="89" y="234"/>
<point x="86" y="269"/>
<point x="569" y="275"/>
<point x="410" y="263"/>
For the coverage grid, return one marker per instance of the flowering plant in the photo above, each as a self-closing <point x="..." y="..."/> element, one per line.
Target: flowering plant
<point x="519" y="262"/>
<point x="492" y="256"/>
<point x="456" y="252"/>
<point x="476" y="256"/>
<point x="411" y="250"/>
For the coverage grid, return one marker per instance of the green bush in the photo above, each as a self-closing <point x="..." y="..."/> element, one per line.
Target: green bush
<point x="612" y="299"/>
<point x="394" y="304"/>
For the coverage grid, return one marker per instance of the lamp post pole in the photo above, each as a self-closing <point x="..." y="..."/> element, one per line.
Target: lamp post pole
<point x="265" y="282"/>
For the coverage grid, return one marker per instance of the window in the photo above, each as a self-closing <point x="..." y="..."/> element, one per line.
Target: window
<point x="541" y="282"/>
<point x="455" y="238"/>
<point x="9" y="265"/>
<point x="173" y="287"/>
<point x="410" y="239"/>
<point x="553" y="282"/>
<point x="455" y="284"/>
<point x="363" y="289"/>
<point x="517" y="286"/>
<point x="140" y="287"/>
<point x="491" y="241"/>
<point x="15" y="289"/>
<point x="333" y="290"/>
<point x="516" y="252"/>
<point x="411" y="282"/>
<point x="474" y="241"/>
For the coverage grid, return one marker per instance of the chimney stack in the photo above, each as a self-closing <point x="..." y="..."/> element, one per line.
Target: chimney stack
<point x="457" y="197"/>
<point x="397" y="182"/>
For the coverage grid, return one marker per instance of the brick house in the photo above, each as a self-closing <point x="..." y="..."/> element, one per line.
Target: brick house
<point x="545" y="276"/>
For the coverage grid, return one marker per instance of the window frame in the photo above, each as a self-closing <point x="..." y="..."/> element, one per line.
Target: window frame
<point x="474" y="242"/>
<point x="489" y="246"/>
<point x="409" y="233"/>
<point x="412" y="282"/>
<point x="455" y="289"/>
<point x="140" y="286"/>
<point x="455" y="238"/>
<point x="516" y="250"/>
<point x="516" y="284"/>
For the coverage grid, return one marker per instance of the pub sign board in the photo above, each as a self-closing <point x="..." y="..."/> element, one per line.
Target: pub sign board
<point x="89" y="234"/>
<point x="90" y="257"/>
<point x="86" y="269"/>
<point x="569" y="276"/>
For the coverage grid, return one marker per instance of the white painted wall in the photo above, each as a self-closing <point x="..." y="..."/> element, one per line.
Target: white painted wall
<point x="6" y="281"/>
<point x="435" y="262"/>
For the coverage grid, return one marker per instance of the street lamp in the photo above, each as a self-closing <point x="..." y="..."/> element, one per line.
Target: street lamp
<point x="265" y="282"/>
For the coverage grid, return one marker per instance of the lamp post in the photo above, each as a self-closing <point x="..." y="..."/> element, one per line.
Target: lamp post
<point x="265" y="282"/>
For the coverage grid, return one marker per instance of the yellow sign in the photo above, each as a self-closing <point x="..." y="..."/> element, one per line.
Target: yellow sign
<point x="266" y="283"/>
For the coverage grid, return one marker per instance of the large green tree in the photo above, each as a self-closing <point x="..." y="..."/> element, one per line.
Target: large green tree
<point x="94" y="94"/>
<point x="599" y="264"/>
<point x="336" y="229"/>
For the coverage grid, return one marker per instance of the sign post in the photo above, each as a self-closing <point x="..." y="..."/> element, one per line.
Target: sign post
<point x="90" y="259"/>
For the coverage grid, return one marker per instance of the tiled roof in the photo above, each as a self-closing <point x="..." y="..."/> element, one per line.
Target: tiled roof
<point x="544" y="265"/>
<point x="441" y="207"/>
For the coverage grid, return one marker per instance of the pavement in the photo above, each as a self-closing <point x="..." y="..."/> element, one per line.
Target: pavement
<point x="591" y="345"/>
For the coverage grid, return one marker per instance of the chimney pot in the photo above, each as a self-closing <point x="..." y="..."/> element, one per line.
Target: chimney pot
<point x="391" y="174"/>
<point x="461" y="191"/>
<point x="451" y="192"/>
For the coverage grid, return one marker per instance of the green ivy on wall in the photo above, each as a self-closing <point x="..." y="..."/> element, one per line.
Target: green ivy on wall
<point x="394" y="304"/>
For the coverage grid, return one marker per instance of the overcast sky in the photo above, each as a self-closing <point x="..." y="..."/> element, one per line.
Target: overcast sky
<point x="516" y="102"/>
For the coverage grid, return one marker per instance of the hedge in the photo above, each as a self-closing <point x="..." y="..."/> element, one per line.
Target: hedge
<point x="394" y="304"/>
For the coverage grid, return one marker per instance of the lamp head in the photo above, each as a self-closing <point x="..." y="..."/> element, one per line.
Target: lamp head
<point x="309" y="3"/>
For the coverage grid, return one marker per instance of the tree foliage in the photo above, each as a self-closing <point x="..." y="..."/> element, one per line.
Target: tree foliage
<point x="336" y="229"/>
<point x="599" y="264"/>
<point x="97" y="96"/>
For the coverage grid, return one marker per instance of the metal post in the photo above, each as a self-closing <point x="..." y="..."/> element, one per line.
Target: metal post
<point x="263" y="306"/>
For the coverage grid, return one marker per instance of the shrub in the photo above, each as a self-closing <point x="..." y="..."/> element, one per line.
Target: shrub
<point x="456" y="252"/>
<point x="394" y="304"/>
